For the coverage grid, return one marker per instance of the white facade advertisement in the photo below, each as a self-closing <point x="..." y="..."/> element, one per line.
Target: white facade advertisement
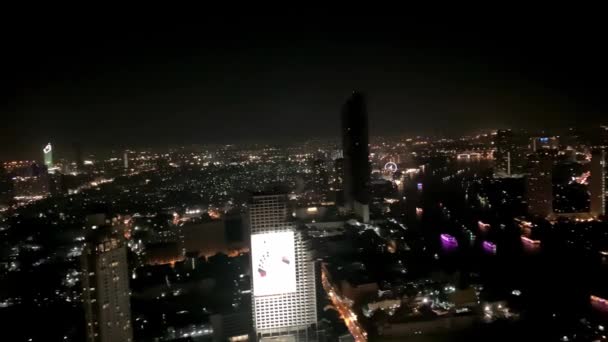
<point x="273" y="263"/>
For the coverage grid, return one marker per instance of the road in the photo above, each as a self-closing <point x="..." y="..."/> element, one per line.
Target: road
<point x="344" y="309"/>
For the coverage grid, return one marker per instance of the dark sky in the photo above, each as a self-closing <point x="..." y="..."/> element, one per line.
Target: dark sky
<point x="115" y="83"/>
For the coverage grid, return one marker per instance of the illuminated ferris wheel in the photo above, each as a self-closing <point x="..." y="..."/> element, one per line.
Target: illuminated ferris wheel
<point x="390" y="167"/>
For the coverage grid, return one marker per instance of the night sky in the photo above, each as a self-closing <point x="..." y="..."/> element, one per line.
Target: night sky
<point x="117" y="84"/>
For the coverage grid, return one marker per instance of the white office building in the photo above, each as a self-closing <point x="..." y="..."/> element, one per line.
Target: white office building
<point x="284" y="297"/>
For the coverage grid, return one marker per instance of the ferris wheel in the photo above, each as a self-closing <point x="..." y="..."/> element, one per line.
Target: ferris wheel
<point x="390" y="167"/>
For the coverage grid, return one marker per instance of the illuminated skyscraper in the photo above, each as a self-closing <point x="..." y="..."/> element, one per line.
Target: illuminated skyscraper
<point x="355" y="144"/>
<point x="597" y="183"/>
<point x="105" y="286"/>
<point x="539" y="186"/>
<point x="125" y="159"/>
<point x="48" y="156"/>
<point x="284" y="297"/>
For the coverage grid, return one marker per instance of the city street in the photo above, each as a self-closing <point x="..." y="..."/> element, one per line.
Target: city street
<point x="349" y="317"/>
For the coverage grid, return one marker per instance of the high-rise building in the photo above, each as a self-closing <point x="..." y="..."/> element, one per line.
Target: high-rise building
<point x="604" y="136"/>
<point x="33" y="186"/>
<point x="105" y="284"/>
<point x="550" y="143"/>
<point x="597" y="183"/>
<point x="233" y="229"/>
<point x="509" y="156"/>
<point x="502" y="155"/>
<point x="355" y="144"/>
<point x="78" y="156"/>
<point x="231" y="326"/>
<point x="337" y="185"/>
<point x="320" y="177"/>
<point x="597" y="136"/>
<point x="6" y="186"/>
<point x="339" y="173"/>
<point x="570" y="139"/>
<point x="284" y="297"/>
<point x="539" y="186"/>
<point x="48" y="156"/>
<point x="56" y="184"/>
<point x="125" y="159"/>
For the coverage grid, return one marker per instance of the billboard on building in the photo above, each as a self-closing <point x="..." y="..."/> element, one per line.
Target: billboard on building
<point x="273" y="263"/>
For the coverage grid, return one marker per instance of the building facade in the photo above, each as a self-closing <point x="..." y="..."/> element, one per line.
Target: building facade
<point x="355" y="144"/>
<point x="125" y="159"/>
<point x="597" y="183"/>
<point x="509" y="155"/>
<point x="320" y="177"/>
<point x="105" y="285"/>
<point x="6" y="187"/>
<point x="540" y="143"/>
<point x="284" y="297"/>
<point x="539" y="186"/>
<point x="338" y="174"/>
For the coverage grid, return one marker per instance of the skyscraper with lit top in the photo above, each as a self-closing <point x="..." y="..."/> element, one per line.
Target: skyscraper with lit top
<point x="48" y="157"/>
<point x="105" y="286"/>
<point x="284" y="297"/>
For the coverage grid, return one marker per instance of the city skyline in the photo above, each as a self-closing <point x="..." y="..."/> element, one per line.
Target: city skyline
<point x="305" y="180"/>
<point x="207" y="253"/>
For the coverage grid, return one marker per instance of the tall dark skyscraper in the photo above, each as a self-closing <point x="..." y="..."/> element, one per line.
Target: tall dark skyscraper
<point x="604" y="136"/>
<point x="355" y="143"/>
<point x="597" y="184"/>
<point x="105" y="283"/>
<point x="6" y="187"/>
<point x="539" y="185"/>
